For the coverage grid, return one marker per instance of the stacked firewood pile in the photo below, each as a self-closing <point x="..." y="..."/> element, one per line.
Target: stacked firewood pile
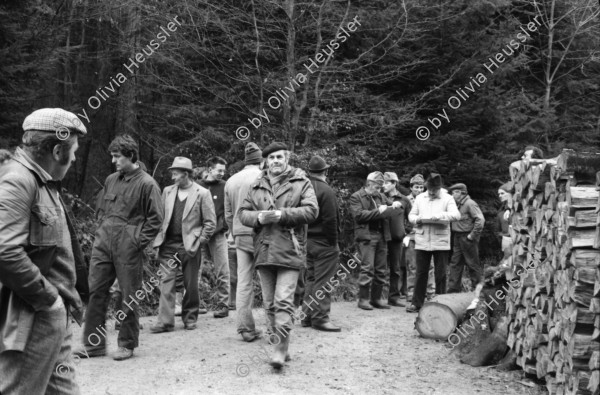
<point x="554" y="309"/>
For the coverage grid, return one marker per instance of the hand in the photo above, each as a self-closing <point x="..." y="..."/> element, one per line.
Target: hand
<point x="435" y="218"/>
<point x="278" y="215"/>
<point x="382" y="208"/>
<point x="419" y="222"/>
<point x="57" y="305"/>
<point x="396" y="205"/>
<point x="469" y="238"/>
<point x="203" y="241"/>
<point x="506" y="215"/>
<point x="406" y="241"/>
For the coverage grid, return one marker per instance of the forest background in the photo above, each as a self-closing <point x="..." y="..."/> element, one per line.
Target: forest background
<point x="359" y="109"/>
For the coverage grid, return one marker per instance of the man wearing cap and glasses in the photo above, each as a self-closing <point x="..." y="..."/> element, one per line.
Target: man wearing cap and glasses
<point x="465" y="240"/>
<point x="323" y="251"/>
<point x="43" y="276"/>
<point x="130" y="215"/>
<point x="280" y="204"/>
<point x="371" y="213"/>
<point x="431" y="214"/>
<point x="236" y="190"/>
<point x="397" y="232"/>
<point x="188" y="224"/>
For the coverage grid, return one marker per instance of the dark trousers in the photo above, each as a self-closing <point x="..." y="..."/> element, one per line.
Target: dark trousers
<point x="464" y="252"/>
<point x="233" y="271"/>
<point x="169" y="267"/>
<point x="102" y="276"/>
<point x="396" y="274"/>
<point x="300" y="287"/>
<point x="440" y="260"/>
<point x="322" y="262"/>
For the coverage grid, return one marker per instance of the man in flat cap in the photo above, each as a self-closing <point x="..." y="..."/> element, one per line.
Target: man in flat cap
<point x="323" y="251"/>
<point x="431" y="214"/>
<point x="398" y="228"/>
<point x="188" y="224"/>
<point x="217" y="245"/>
<point x="417" y="187"/>
<point x="236" y="190"/>
<point x="371" y="213"/>
<point x="465" y="240"/>
<point x="280" y="204"/>
<point x="43" y="276"/>
<point x="130" y="214"/>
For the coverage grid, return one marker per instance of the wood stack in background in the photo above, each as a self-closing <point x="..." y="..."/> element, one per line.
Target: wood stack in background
<point x="554" y="307"/>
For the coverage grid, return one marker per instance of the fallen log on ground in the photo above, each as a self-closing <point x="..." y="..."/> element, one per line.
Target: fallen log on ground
<point x="438" y="319"/>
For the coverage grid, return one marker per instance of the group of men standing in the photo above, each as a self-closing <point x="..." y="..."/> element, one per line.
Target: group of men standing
<point x="280" y="219"/>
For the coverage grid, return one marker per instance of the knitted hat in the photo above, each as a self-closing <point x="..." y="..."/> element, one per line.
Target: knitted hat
<point x="252" y="154"/>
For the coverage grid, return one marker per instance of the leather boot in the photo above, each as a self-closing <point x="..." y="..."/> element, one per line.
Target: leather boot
<point x="376" y="300"/>
<point x="281" y="350"/>
<point x="363" y="298"/>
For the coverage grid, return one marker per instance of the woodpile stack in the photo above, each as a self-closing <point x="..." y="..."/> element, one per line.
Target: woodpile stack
<point x="553" y="301"/>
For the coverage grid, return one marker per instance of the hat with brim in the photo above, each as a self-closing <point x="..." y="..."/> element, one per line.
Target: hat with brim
<point x="317" y="164"/>
<point x="182" y="163"/>
<point x="434" y="181"/>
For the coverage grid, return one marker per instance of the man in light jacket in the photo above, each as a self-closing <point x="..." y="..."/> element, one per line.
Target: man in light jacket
<point x="279" y="206"/>
<point x="431" y="214"/>
<point x="465" y="240"/>
<point x="189" y="223"/>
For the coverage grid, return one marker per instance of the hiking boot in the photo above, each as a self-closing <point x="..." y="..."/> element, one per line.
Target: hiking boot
<point x="281" y="351"/>
<point x="222" y="312"/>
<point x="412" y="309"/>
<point x="122" y="354"/>
<point x="327" y="327"/>
<point x="161" y="328"/>
<point x="250" y="336"/>
<point x="190" y="326"/>
<point x="363" y="298"/>
<point x="396" y="302"/>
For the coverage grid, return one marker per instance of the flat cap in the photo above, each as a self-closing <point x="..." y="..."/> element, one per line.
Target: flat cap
<point x="390" y="176"/>
<point x="417" y="179"/>
<point x="317" y="163"/>
<point x="458" y="187"/>
<point x="53" y="120"/>
<point x="274" y="146"/>
<point x="376" y="176"/>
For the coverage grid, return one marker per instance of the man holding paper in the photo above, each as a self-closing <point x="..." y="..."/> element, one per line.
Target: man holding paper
<point x="431" y="214"/>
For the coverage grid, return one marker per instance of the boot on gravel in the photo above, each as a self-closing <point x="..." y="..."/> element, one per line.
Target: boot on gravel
<point x="281" y="350"/>
<point x="363" y="298"/>
<point x="376" y="300"/>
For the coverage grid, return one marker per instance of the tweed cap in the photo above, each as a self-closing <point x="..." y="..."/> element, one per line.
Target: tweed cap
<point x="458" y="187"/>
<point x="53" y="120"/>
<point x="390" y="176"/>
<point x="376" y="176"/>
<point x="417" y="179"/>
<point x="273" y="147"/>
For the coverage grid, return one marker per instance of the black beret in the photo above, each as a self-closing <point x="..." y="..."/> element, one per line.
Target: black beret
<point x="274" y="146"/>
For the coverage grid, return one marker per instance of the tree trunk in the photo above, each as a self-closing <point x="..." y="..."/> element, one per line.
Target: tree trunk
<point x="438" y="318"/>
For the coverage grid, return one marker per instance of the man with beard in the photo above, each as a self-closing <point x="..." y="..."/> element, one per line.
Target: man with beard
<point x="189" y="223"/>
<point x="397" y="233"/>
<point x="279" y="205"/>
<point x="431" y="214"/>
<point x="131" y="215"/>
<point x="465" y="240"/>
<point x="371" y="213"/>
<point x="43" y="276"/>
<point x="236" y="190"/>
<point x="217" y="245"/>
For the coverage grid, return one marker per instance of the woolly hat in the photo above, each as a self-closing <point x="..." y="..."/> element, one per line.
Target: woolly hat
<point x="252" y="154"/>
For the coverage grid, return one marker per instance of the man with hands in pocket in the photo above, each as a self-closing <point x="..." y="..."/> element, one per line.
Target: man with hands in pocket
<point x="189" y="223"/>
<point x="371" y="211"/>
<point x="43" y="276"/>
<point x="130" y="215"/>
<point x="431" y="214"/>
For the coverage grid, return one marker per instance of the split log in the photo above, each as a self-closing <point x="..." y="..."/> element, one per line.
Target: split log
<point x="439" y="318"/>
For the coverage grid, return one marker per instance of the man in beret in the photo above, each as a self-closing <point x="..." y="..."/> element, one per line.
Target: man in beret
<point x="465" y="240"/>
<point x="398" y="221"/>
<point x="371" y="213"/>
<point x="130" y="214"/>
<point x="323" y="252"/>
<point x="431" y="214"/>
<point x="236" y="190"/>
<point x="43" y="276"/>
<point x="279" y="205"/>
<point x="417" y="187"/>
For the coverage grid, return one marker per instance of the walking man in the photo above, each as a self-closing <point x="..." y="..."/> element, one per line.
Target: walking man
<point x="417" y="186"/>
<point x="236" y="190"/>
<point x="131" y="214"/>
<point x="465" y="240"/>
<point x="217" y="245"/>
<point x="431" y="214"/>
<point x="371" y="213"/>
<point x="323" y="251"/>
<point x="188" y="224"/>
<point x="397" y="233"/>
<point x="280" y="204"/>
<point x="43" y="275"/>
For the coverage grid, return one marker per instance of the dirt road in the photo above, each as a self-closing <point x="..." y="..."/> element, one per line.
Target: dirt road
<point x="377" y="352"/>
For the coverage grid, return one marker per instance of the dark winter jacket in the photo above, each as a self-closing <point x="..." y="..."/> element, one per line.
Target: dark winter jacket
<point x="327" y="224"/>
<point x="399" y="218"/>
<point x="217" y="191"/>
<point x="471" y="218"/>
<point x="365" y="212"/>
<point x="282" y="243"/>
